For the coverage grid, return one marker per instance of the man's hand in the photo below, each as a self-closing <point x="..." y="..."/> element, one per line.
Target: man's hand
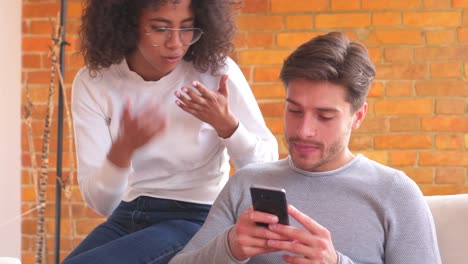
<point x="246" y="239"/>
<point x="312" y="245"/>
<point x="211" y="107"/>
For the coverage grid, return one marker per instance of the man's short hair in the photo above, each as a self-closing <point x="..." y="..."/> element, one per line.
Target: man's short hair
<point x="334" y="58"/>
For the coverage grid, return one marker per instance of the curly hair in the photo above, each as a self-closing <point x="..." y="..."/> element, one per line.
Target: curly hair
<point x="332" y="57"/>
<point x="109" y="31"/>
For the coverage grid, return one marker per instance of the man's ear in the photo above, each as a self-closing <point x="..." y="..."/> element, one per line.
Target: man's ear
<point x="359" y="115"/>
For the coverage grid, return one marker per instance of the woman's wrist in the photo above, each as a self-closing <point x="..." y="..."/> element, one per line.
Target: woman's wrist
<point x="120" y="154"/>
<point x="229" y="128"/>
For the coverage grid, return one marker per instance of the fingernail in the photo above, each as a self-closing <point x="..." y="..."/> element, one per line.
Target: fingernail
<point x="194" y="83"/>
<point x="177" y="94"/>
<point x="184" y="89"/>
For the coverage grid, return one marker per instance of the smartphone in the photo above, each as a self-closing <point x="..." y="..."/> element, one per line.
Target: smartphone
<point x="270" y="200"/>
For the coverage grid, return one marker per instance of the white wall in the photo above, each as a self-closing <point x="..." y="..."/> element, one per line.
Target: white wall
<point x="10" y="128"/>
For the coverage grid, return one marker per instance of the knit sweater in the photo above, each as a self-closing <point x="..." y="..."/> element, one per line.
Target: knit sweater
<point x="189" y="162"/>
<point x="375" y="214"/>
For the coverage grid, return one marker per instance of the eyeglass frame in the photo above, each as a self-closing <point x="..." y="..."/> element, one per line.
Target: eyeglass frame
<point x="168" y="31"/>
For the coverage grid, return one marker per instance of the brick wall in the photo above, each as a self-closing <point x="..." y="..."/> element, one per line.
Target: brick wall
<point x="418" y="114"/>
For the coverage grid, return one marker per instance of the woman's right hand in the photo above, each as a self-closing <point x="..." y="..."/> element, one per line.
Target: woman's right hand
<point x="135" y="131"/>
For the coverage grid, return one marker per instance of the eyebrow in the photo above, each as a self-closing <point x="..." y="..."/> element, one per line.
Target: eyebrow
<point x="321" y="109"/>
<point x="190" y="19"/>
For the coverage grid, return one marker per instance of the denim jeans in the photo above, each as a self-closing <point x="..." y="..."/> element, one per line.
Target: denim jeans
<point x="145" y="230"/>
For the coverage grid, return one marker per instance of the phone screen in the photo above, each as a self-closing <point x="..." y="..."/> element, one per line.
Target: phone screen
<point x="270" y="200"/>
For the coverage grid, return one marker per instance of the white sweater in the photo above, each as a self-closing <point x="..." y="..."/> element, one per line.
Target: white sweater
<point x="189" y="162"/>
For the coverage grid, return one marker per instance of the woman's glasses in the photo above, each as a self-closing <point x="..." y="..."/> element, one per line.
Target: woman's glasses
<point x="160" y="35"/>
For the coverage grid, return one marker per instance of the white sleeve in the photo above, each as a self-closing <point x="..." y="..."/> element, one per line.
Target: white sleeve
<point x="102" y="184"/>
<point x="252" y="141"/>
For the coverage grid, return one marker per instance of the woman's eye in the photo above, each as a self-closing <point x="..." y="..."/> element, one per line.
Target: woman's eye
<point x="159" y="29"/>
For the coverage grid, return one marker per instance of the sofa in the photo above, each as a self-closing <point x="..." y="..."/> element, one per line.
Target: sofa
<point x="450" y="214"/>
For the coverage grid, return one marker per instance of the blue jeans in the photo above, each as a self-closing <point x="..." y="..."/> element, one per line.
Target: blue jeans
<point x="145" y="230"/>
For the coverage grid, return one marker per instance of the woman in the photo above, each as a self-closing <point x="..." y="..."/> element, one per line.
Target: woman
<point x="158" y="111"/>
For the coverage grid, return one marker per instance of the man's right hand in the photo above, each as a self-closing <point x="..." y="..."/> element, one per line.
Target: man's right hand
<point x="247" y="239"/>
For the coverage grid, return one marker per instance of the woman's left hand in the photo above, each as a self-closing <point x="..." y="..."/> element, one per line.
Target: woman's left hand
<point x="211" y="107"/>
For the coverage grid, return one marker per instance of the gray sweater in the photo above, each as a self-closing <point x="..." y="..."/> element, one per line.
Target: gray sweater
<point x="375" y="214"/>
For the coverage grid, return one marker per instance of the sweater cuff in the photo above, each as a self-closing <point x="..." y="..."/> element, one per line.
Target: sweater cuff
<point x="228" y="249"/>
<point x="240" y="141"/>
<point x="114" y="178"/>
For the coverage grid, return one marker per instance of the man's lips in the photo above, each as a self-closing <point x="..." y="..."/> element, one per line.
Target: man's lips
<point x="305" y="147"/>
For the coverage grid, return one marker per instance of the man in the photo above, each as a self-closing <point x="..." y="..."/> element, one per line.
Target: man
<point x="344" y="207"/>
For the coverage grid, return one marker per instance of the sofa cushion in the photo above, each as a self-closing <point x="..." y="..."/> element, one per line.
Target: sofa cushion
<point x="450" y="214"/>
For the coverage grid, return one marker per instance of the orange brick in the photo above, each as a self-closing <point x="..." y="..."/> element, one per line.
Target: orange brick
<point x="255" y="40"/>
<point x="379" y="156"/>
<point x="403" y="107"/>
<point x="341" y="5"/>
<point x="35" y="43"/>
<point x="266" y="74"/>
<point x="240" y="41"/>
<point x="449" y="141"/>
<point x="401" y="71"/>
<point x="466" y="69"/>
<point x="394" y="37"/>
<point x="272" y="109"/>
<point x="269" y="91"/>
<point x="299" y="22"/>
<point x="402" y="124"/>
<point x="282" y="6"/>
<point x="465" y="18"/>
<point x="376" y="90"/>
<point x="462" y="34"/>
<point x="431" y="19"/>
<point x="260" y="22"/>
<point x="403" y="141"/>
<point x="460" y="3"/>
<point x="255" y="6"/>
<point x="342" y="20"/>
<point x="74" y="9"/>
<point x="386" y="19"/>
<point x="449" y="124"/>
<point x="31" y="61"/>
<point x="446" y="158"/>
<point x="275" y="125"/>
<point x="43" y="27"/>
<point x="420" y="175"/>
<point x="446" y="70"/>
<point x="294" y="39"/>
<point x="399" y="88"/>
<point x="441" y="53"/>
<point x="399" y="54"/>
<point x="403" y="158"/>
<point x="373" y="124"/>
<point x="37" y="10"/>
<point x="437" y="4"/>
<point x="390" y="4"/>
<point x="438" y="37"/>
<point x="361" y="142"/>
<point x="442" y="88"/>
<point x="263" y="57"/>
<point x="375" y="54"/>
<point x="450" y="176"/>
<point x="450" y="106"/>
<point x="466" y="140"/>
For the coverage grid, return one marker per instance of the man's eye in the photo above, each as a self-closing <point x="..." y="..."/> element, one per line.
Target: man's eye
<point x="326" y="118"/>
<point x="294" y="111"/>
